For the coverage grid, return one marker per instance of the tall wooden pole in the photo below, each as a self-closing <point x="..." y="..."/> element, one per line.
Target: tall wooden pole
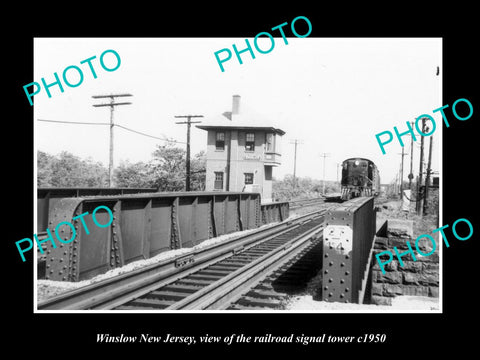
<point x="112" y="105"/>
<point x="324" y="155"/>
<point x="295" y="142"/>
<point x="420" y="174"/>
<point x="410" y="176"/>
<point x="189" y="122"/>
<point x="427" y="179"/>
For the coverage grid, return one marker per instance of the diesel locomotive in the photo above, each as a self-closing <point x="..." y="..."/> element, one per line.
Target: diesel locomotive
<point x="360" y="177"/>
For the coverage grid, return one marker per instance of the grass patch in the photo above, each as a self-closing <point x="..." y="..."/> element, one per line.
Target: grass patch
<point x="421" y="224"/>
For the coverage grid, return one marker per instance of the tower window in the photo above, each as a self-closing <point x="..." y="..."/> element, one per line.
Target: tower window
<point x="220" y="141"/>
<point x="250" y="142"/>
<point x="248" y="178"/>
<point x="269" y="138"/>
<point x="218" y="184"/>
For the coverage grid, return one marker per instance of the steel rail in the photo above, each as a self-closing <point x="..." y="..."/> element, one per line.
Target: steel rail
<point x="111" y="292"/>
<point x="273" y="289"/>
<point x="306" y="202"/>
<point x="219" y="294"/>
<point x="208" y="260"/>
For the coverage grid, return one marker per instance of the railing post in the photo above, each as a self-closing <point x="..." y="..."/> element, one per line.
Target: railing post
<point x="176" y="242"/>
<point x="117" y="256"/>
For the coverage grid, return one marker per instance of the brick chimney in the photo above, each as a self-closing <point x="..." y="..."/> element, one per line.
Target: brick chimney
<point x="236" y="105"/>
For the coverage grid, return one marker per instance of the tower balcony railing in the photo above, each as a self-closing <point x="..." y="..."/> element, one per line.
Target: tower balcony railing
<point x="272" y="159"/>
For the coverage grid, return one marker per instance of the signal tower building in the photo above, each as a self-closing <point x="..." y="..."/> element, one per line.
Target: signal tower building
<point x="242" y="151"/>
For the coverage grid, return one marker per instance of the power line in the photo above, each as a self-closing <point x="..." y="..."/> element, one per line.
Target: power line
<point x="120" y="126"/>
<point x="73" y="122"/>
<point x="155" y="137"/>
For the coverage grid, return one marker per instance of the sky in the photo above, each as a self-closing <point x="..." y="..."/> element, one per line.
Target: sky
<point x="332" y="94"/>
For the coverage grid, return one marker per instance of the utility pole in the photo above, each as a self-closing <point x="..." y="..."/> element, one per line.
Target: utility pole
<point x="295" y="141"/>
<point x="419" y="185"/>
<point x="427" y="178"/>
<point x="395" y="184"/>
<point x="112" y="104"/>
<point x="410" y="176"/>
<point x="401" y="173"/>
<point x="189" y="123"/>
<point x="324" y="155"/>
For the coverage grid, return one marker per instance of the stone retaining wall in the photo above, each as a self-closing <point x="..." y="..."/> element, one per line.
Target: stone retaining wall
<point x="417" y="278"/>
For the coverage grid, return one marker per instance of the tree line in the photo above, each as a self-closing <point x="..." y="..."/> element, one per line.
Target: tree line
<point x="165" y="171"/>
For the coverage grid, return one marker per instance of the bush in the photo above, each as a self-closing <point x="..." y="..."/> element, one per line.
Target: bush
<point x="284" y="190"/>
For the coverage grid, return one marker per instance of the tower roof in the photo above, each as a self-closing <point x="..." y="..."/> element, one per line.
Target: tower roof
<point x="241" y="127"/>
<point x="242" y="118"/>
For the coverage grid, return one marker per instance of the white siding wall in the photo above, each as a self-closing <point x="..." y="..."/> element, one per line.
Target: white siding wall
<point x="241" y="161"/>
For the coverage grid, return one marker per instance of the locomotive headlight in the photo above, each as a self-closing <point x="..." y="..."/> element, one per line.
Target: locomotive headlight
<point x="357" y="162"/>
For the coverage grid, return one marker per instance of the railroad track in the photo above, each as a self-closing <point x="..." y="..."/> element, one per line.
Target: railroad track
<point x="291" y="278"/>
<point x="212" y="278"/>
<point x="306" y="202"/>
